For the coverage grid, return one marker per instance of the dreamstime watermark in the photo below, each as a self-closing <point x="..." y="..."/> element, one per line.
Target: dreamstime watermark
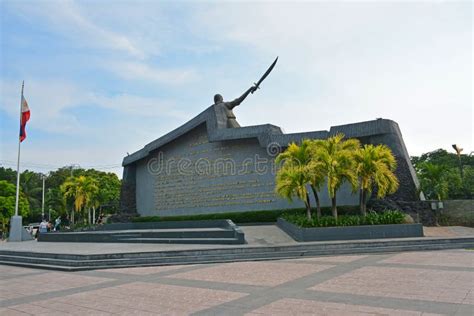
<point x="255" y="164"/>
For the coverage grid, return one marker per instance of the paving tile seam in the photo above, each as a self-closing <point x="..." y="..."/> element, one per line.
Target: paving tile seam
<point x="59" y="293"/>
<point x="135" y="277"/>
<point x="271" y="294"/>
<point x="426" y="306"/>
<point x="259" y="296"/>
<point x="253" y="288"/>
<point x="233" y="287"/>
<point x="9" y="277"/>
<point x="423" y="266"/>
<point x="19" y="311"/>
<point x="72" y="303"/>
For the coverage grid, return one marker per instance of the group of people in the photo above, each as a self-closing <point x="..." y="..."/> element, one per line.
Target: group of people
<point x="47" y="226"/>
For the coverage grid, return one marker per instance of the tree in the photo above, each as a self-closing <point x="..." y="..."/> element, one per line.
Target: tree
<point x="31" y="184"/>
<point x="83" y="191"/>
<point x="90" y="189"/>
<point x="375" y="166"/>
<point x="292" y="182"/>
<point x="72" y="189"/>
<point x="54" y="200"/>
<point x="109" y="193"/>
<point x="106" y="199"/>
<point x="337" y="162"/>
<point x="303" y="156"/>
<point x="7" y="203"/>
<point x="8" y="175"/>
<point x="433" y="179"/>
<point x="457" y="188"/>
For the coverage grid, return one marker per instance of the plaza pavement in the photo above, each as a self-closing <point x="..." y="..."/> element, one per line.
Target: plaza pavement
<point x="410" y="283"/>
<point x="259" y="235"/>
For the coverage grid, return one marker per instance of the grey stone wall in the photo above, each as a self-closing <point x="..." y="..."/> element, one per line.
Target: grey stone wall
<point x="457" y="212"/>
<point x="420" y="211"/>
<point x="194" y="176"/>
<point x="181" y="187"/>
<point x="128" y="190"/>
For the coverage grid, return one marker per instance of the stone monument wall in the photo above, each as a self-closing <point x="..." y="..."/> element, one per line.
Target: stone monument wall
<point x="193" y="176"/>
<point x="203" y="167"/>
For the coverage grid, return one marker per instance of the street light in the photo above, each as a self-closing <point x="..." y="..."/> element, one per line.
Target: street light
<point x="458" y="153"/>
<point x="42" y="200"/>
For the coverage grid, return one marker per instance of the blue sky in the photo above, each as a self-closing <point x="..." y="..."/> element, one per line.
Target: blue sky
<point x="103" y="78"/>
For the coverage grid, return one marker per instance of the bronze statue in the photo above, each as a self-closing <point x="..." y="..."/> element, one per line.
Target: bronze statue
<point x="225" y="108"/>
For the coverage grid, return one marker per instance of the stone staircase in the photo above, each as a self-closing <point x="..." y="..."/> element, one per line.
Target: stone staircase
<point x="76" y="262"/>
<point x="185" y="232"/>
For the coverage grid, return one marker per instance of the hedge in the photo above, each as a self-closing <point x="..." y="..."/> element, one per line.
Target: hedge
<point x="244" y="217"/>
<point x="372" y="218"/>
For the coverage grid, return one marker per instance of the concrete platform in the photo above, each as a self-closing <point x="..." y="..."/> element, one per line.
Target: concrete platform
<point x="258" y="235"/>
<point x="221" y="232"/>
<point x="266" y="243"/>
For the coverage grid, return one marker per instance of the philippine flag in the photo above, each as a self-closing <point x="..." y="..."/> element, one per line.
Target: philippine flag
<point x="25" y="116"/>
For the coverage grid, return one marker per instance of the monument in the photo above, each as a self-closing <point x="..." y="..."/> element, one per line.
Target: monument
<point x="212" y="165"/>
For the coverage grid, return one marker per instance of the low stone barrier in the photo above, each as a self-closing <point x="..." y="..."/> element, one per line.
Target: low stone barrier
<point x="350" y="232"/>
<point x="181" y="232"/>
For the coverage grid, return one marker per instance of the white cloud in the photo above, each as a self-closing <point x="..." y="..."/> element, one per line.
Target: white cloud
<point x="69" y="19"/>
<point x="142" y="71"/>
<point x="139" y="106"/>
<point x="48" y="100"/>
<point x="347" y="62"/>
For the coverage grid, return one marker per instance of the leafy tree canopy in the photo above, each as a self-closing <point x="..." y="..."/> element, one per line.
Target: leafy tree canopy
<point x="31" y="183"/>
<point x="440" y="175"/>
<point x="7" y="202"/>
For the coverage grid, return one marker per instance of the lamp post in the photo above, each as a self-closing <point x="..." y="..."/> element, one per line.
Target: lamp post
<point x="458" y="153"/>
<point x="44" y="176"/>
<point x="42" y="199"/>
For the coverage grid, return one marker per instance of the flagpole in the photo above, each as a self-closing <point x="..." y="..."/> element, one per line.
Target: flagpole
<point x="17" y="232"/>
<point x="18" y="161"/>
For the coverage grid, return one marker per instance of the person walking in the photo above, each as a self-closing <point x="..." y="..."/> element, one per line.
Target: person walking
<point x="57" y="224"/>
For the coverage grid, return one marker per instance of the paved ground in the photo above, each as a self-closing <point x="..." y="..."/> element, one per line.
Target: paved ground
<point x="411" y="283"/>
<point x="262" y="235"/>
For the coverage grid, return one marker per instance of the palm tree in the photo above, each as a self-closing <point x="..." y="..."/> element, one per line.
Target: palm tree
<point x="31" y="185"/>
<point x="291" y="182"/>
<point x="83" y="190"/>
<point x="303" y="156"/>
<point x="336" y="158"/>
<point x="433" y="180"/>
<point x="91" y="190"/>
<point x="71" y="189"/>
<point x="375" y="166"/>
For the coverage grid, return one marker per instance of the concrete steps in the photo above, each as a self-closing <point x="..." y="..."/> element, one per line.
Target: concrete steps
<point x="208" y="236"/>
<point x="186" y="232"/>
<point x="76" y="262"/>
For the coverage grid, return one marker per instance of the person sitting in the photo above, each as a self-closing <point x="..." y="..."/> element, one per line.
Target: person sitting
<point x="43" y="227"/>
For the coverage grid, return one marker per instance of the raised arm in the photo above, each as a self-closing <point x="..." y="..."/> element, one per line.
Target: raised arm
<point x="234" y="103"/>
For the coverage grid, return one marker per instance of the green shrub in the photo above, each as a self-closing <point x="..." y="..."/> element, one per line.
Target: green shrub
<point x="243" y="217"/>
<point x="372" y="218"/>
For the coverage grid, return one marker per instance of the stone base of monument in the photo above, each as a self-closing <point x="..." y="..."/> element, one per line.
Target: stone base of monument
<point x="350" y="232"/>
<point x="183" y="232"/>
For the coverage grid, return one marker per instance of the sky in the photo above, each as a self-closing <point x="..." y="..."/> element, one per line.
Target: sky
<point x="103" y="78"/>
